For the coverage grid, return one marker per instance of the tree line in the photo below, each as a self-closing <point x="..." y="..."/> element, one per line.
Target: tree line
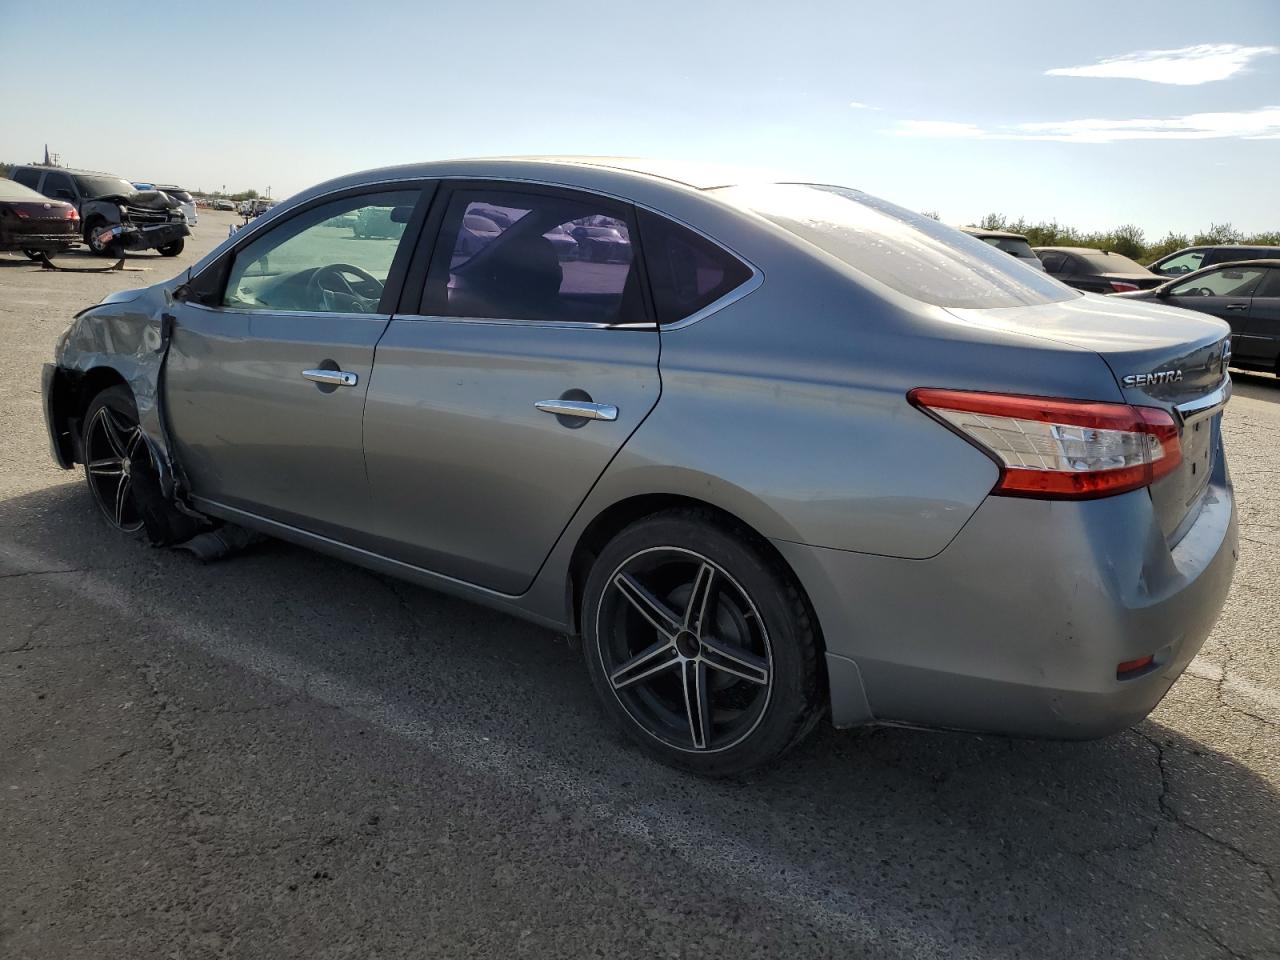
<point x="1128" y="240"/>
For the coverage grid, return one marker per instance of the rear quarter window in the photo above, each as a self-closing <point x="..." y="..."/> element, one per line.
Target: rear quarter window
<point x="909" y="253"/>
<point x="27" y="177"/>
<point x="687" y="272"/>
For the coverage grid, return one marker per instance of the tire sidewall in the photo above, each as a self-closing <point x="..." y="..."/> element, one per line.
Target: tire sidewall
<point x="793" y="693"/>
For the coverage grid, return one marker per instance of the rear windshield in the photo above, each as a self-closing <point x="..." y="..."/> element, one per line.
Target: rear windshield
<point x="102" y="186"/>
<point x="910" y="253"/>
<point x="16" y="191"/>
<point x="1111" y="263"/>
<point x="1019" y="248"/>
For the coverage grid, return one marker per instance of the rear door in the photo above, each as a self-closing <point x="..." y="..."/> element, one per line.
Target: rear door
<point x="1223" y="293"/>
<point x="1261" y="340"/>
<point x="519" y="368"/>
<point x="270" y="359"/>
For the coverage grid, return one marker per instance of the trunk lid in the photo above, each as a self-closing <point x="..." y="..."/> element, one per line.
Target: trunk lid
<point x="1161" y="356"/>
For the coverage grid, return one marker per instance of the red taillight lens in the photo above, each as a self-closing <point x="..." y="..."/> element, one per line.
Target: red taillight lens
<point x="1132" y="666"/>
<point x="71" y="214"/>
<point x="1122" y="286"/>
<point x="20" y="213"/>
<point x="1060" y="449"/>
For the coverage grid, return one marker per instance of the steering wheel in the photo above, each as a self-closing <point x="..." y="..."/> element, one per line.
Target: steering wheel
<point x="1202" y="292"/>
<point x="337" y="295"/>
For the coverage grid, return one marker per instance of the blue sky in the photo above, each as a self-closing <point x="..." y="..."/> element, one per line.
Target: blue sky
<point x="963" y="108"/>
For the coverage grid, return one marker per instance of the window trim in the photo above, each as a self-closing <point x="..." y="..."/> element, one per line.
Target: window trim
<point x="414" y="293"/>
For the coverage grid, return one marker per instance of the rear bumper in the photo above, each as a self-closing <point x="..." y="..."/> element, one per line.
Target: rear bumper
<point x="42" y="240"/>
<point x="1017" y="627"/>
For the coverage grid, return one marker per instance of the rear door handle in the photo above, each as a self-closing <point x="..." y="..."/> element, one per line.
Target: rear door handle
<point x="338" y="378"/>
<point x="1237" y="306"/>
<point x="578" y="408"/>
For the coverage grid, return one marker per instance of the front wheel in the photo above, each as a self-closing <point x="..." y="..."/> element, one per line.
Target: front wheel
<point x="95" y="235"/>
<point x="700" y="644"/>
<point x="171" y="249"/>
<point x="115" y="452"/>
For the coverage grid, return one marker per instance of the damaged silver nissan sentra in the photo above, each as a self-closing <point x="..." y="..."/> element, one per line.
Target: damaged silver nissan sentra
<point x="787" y="451"/>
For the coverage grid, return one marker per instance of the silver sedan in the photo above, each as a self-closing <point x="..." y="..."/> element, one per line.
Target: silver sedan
<point x="789" y="452"/>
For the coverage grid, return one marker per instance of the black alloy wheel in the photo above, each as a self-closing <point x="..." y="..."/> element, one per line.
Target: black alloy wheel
<point x="699" y="645"/>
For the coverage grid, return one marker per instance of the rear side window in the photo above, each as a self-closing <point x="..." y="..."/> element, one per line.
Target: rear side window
<point x="54" y="182"/>
<point x="1053" y="261"/>
<point x="1018" y="247"/>
<point x="27" y="177"/>
<point x="528" y="256"/>
<point x="908" y="252"/>
<point x="687" y="272"/>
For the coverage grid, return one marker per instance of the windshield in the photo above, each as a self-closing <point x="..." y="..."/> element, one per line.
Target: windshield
<point x="906" y="251"/>
<point x="92" y="185"/>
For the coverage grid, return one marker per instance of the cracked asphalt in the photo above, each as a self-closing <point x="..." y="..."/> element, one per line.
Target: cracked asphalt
<point x="280" y="755"/>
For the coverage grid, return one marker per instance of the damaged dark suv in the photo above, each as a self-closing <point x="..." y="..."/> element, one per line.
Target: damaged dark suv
<point x="116" y="216"/>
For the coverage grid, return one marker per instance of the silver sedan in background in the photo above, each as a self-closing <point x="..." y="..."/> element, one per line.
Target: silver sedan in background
<point x="795" y="452"/>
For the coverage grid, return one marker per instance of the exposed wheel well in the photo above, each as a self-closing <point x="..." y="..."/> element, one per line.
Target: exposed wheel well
<point x="614" y="519"/>
<point x="72" y="394"/>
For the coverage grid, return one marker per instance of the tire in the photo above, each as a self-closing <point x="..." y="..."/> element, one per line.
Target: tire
<point x="752" y="659"/>
<point x="114" y="449"/>
<point x="172" y="249"/>
<point x="113" y="249"/>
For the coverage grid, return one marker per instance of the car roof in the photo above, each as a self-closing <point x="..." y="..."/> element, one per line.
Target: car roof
<point x="999" y="234"/>
<point x="1082" y="250"/>
<point x="73" y="171"/>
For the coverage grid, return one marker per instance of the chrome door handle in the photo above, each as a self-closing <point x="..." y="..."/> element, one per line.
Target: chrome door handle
<point x="578" y="408"/>
<point x="1237" y="306"/>
<point x="339" y="378"/>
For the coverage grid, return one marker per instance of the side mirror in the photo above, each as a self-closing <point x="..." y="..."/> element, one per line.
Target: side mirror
<point x="1161" y="292"/>
<point x="181" y="293"/>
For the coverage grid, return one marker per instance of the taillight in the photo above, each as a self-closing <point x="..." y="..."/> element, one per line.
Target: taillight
<point x="71" y="214"/>
<point x="1122" y="286"/>
<point x="21" y="214"/>
<point x="1060" y="449"/>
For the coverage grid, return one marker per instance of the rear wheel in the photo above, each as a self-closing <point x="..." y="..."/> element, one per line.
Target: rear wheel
<point x="172" y="249"/>
<point x="700" y="645"/>
<point x="115" y="452"/>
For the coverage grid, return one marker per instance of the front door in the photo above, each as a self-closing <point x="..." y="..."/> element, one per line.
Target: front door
<point x="271" y="357"/>
<point x="1225" y="294"/>
<point x="499" y="399"/>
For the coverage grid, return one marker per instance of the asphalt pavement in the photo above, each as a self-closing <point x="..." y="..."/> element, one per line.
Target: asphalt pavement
<point x="280" y="755"/>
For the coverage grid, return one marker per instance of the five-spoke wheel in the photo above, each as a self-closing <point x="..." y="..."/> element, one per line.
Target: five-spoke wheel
<point x="114" y="451"/>
<point x="700" y="646"/>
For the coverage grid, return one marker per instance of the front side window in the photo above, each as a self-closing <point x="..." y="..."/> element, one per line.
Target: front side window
<point x="907" y="252"/>
<point x="1183" y="263"/>
<point x="334" y="258"/>
<point x="687" y="272"/>
<point x="528" y="256"/>
<point x="1233" y="282"/>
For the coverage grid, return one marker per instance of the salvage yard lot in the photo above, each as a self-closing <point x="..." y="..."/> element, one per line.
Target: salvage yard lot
<point x="281" y="755"/>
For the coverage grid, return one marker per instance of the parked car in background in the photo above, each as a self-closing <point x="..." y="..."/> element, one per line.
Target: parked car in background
<point x="35" y="224"/>
<point x="185" y="199"/>
<point x="114" y="215"/>
<point x="1014" y="244"/>
<point x="1191" y="259"/>
<point x="221" y="204"/>
<point x="601" y="244"/>
<point x="1096" y="271"/>
<point x="828" y="458"/>
<point x="1245" y="294"/>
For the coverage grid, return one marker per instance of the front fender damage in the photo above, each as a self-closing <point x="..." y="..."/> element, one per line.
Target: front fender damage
<point x="128" y="336"/>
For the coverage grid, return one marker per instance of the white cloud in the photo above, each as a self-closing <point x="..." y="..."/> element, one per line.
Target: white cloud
<point x="1263" y="124"/>
<point x="1186" y="66"/>
<point x="859" y="105"/>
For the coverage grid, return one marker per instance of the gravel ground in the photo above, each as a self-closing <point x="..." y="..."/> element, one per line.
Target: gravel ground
<point x="284" y="756"/>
